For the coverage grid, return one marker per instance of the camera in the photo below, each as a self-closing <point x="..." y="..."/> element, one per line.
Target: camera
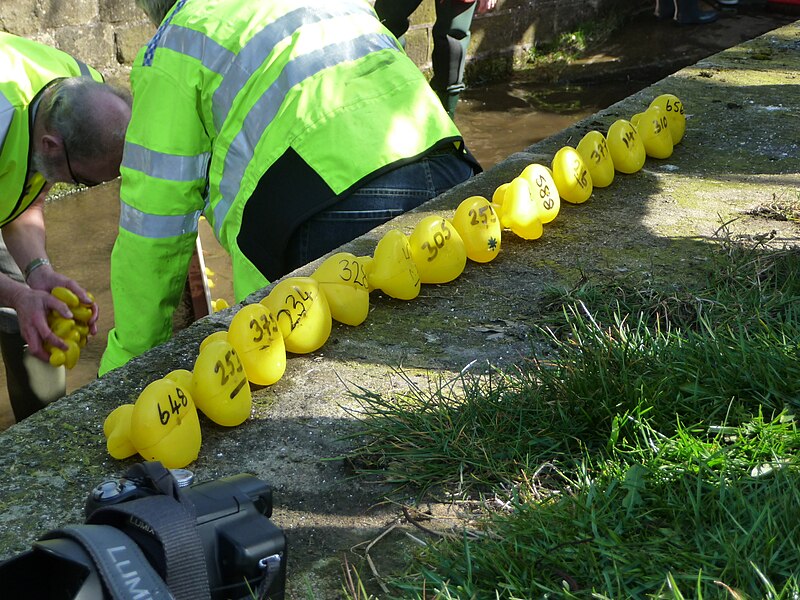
<point x="146" y="537"/>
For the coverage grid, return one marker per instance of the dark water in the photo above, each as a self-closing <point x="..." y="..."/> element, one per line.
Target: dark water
<point x="496" y="121"/>
<point x="502" y="119"/>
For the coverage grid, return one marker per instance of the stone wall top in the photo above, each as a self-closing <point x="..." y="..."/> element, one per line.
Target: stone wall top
<point x="108" y="33"/>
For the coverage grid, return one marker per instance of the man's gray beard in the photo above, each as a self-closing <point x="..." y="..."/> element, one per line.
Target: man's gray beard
<point x="46" y="166"/>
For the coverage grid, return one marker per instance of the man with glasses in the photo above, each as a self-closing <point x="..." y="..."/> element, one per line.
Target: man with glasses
<point x="58" y="123"/>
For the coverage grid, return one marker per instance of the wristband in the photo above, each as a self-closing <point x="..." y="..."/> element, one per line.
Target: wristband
<point x="33" y="265"/>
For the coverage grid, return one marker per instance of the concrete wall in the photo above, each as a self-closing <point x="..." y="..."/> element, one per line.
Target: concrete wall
<point x="104" y="33"/>
<point x="108" y="33"/>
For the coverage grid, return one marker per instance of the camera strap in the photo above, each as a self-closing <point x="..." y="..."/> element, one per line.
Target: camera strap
<point x="125" y="571"/>
<point x="172" y="524"/>
<point x="157" y="477"/>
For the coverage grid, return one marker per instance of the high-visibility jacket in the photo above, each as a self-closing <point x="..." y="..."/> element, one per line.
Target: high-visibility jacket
<point x="224" y="91"/>
<point x="26" y="67"/>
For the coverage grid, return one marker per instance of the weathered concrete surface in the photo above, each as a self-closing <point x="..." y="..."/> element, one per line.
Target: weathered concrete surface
<point x="740" y="151"/>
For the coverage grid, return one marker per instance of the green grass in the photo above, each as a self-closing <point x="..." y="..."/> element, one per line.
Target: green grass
<point x="653" y="453"/>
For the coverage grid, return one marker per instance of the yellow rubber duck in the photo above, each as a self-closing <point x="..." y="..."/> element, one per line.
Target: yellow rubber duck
<point x="438" y="250"/>
<point x="520" y="211"/>
<point x="479" y="227"/>
<point x="164" y="425"/>
<point x="342" y="277"/>
<point x="73" y="332"/>
<point x="498" y="197"/>
<point x="543" y="191"/>
<point x="626" y="147"/>
<point x="571" y="175"/>
<point x="302" y="313"/>
<point x="593" y="147"/>
<point x="221" y="390"/>
<point x="653" y="127"/>
<point x="219" y="304"/>
<point x="393" y="270"/>
<point x="259" y="344"/>
<point x="674" y="110"/>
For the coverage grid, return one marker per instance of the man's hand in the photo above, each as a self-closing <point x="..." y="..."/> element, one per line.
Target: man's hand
<point x="34" y="304"/>
<point x="32" y="308"/>
<point x="486" y="5"/>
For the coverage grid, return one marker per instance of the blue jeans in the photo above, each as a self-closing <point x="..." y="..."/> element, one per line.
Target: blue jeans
<point x="377" y="202"/>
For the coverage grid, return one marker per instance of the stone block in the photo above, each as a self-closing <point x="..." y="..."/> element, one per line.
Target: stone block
<point x="120" y="11"/>
<point x="418" y="46"/>
<point x="129" y="39"/>
<point x="56" y="13"/>
<point x="425" y="13"/>
<point x="93" y="44"/>
<point x="119" y="76"/>
<point x="20" y="17"/>
<point x="500" y="33"/>
<point x="44" y="37"/>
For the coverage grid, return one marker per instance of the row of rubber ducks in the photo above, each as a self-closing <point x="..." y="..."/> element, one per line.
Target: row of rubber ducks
<point x="297" y="315"/>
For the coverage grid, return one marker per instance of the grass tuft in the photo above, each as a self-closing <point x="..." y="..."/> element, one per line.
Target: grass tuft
<point x="653" y="454"/>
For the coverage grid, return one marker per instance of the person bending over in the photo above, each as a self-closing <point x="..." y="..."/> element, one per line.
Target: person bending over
<point x="294" y="126"/>
<point x="58" y="123"/>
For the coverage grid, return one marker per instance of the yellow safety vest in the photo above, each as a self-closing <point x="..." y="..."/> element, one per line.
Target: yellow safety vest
<point x="222" y="92"/>
<point x="26" y="67"/>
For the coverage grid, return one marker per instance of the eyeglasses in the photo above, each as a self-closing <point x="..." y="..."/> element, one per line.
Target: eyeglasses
<point x="75" y="179"/>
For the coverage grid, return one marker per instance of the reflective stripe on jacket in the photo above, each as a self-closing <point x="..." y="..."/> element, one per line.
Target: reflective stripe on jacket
<point x="221" y="92"/>
<point x="26" y="67"/>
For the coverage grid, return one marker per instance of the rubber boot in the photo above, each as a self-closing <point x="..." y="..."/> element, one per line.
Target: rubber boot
<point x="665" y="9"/>
<point x="449" y="101"/>
<point x="687" y="12"/>
<point x="449" y="57"/>
<point x="32" y="384"/>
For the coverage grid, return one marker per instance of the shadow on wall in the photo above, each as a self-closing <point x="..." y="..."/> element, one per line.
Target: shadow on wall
<point x="502" y="39"/>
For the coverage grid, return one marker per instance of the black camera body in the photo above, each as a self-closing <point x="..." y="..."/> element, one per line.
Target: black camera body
<point x="245" y="553"/>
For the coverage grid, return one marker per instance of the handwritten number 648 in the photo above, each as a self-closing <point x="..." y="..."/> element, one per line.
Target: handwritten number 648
<point x="174" y="406"/>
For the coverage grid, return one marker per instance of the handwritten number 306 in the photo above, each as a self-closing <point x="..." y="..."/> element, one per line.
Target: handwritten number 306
<point x="439" y="239"/>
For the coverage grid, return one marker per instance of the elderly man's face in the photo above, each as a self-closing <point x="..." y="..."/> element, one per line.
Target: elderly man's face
<point x="57" y="162"/>
<point x="48" y="165"/>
